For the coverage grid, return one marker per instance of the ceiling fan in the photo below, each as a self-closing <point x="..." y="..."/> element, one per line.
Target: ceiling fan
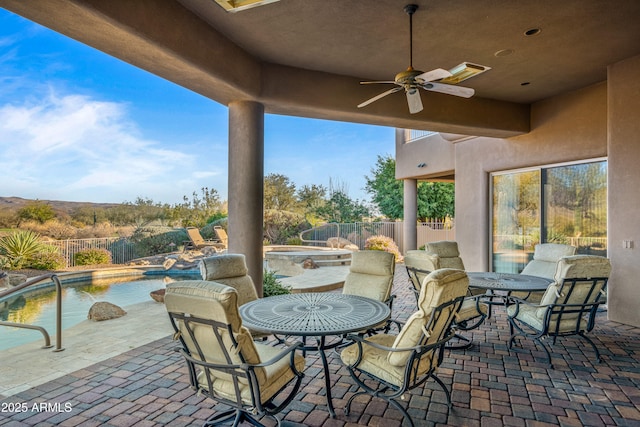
<point x="411" y="80"/>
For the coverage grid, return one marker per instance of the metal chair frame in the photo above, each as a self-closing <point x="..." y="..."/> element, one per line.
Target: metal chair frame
<point x="390" y="392"/>
<point x="464" y="325"/>
<point x="244" y="371"/>
<point x="556" y="312"/>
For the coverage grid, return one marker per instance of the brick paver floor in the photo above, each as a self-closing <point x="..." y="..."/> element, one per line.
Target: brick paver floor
<point x="491" y="387"/>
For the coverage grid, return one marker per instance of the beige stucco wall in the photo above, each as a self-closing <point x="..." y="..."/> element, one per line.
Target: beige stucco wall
<point x="567" y="128"/>
<point x="599" y="121"/>
<point x="435" y="152"/>
<point x="624" y="191"/>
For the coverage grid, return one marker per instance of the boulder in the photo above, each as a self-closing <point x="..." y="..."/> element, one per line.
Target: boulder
<point x="158" y="295"/>
<point x="17" y="279"/>
<point x="308" y="264"/>
<point x="168" y="263"/>
<point x="103" y="310"/>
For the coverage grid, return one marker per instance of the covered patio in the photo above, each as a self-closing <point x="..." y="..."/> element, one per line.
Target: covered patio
<point x="562" y="86"/>
<point x="148" y="386"/>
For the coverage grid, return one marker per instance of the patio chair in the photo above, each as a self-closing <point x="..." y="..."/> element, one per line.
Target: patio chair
<point x="387" y="366"/>
<point x="196" y="242"/>
<point x="224" y="363"/>
<point x="449" y="255"/>
<point x="473" y="311"/>
<point x="418" y="264"/>
<point x="568" y="307"/>
<point x="231" y="270"/>
<point x="544" y="263"/>
<point x="371" y="275"/>
<point x="221" y="235"/>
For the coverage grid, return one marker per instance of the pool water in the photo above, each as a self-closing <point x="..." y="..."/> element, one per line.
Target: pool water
<point x="38" y="307"/>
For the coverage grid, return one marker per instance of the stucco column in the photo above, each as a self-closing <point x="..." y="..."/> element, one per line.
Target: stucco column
<point x="410" y="214"/>
<point x="246" y="177"/>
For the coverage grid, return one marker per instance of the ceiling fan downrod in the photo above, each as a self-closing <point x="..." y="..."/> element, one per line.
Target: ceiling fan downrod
<point x="410" y="9"/>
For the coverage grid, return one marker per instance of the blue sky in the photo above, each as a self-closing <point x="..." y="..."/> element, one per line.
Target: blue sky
<point x="79" y="125"/>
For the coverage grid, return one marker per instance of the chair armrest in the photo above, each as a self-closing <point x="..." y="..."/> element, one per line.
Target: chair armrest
<point x="419" y="348"/>
<point x="519" y="301"/>
<point x="244" y="366"/>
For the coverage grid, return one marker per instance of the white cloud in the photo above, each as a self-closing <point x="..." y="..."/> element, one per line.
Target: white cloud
<point x="73" y="147"/>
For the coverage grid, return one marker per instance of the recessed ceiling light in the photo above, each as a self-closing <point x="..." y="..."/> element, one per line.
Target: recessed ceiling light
<point x="504" y="52"/>
<point x="532" y="32"/>
<point x="240" y="5"/>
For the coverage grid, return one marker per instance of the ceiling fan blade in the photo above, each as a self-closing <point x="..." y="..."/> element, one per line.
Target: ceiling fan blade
<point x="464" y="92"/>
<point x="414" y="101"/>
<point x="432" y="75"/>
<point x="371" y="83"/>
<point x="382" y="95"/>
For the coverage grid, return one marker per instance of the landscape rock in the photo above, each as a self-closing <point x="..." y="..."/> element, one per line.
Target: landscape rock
<point x="17" y="279"/>
<point x="103" y="310"/>
<point x="168" y="263"/>
<point x="158" y="295"/>
<point x="309" y="264"/>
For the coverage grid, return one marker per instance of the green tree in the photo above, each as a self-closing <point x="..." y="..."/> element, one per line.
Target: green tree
<point x="199" y="210"/>
<point x="385" y="190"/>
<point x="310" y="199"/>
<point x="435" y="199"/>
<point x="36" y="211"/>
<point x="279" y="193"/>
<point x="341" y="208"/>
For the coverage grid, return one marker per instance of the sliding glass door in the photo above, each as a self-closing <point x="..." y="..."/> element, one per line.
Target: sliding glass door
<point x="559" y="204"/>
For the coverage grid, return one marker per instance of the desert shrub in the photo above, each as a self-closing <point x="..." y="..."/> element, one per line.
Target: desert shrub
<point x="92" y="257"/>
<point x="18" y="248"/>
<point x="151" y="241"/>
<point x="282" y="225"/>
<point x="48" y="259"/>
<point x="294" y="241"/>
<point x="383" y="243"/>
<point x="100" y="230"/>
<point x="272" y="286"/>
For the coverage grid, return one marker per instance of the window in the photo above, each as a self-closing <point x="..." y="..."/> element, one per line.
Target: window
<point x="555" y="204"/>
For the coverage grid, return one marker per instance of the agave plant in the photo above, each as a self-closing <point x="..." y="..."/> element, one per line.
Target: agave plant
<point x="18" y="248"/>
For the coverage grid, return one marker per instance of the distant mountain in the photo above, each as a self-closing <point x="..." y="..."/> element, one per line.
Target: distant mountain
<point x="15" y="203"/>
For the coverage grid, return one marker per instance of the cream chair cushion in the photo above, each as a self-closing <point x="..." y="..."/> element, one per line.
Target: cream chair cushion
<point x="231" y="270"/>
<point x="577" y="266"/>
<point x="545" y="259"/>
<point x="448" y="253"/>
<point x="216" y="301"/>
<point x="370" y="275"/>
<point x="438" y="287"/>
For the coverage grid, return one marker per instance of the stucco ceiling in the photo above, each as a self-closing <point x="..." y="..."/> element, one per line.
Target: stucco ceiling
<point x="306" y="58"/>
<point x="370" y="39"/>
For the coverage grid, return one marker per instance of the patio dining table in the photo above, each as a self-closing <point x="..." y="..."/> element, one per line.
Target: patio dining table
<point x="507" y="283"/>
<point x="315" y="314"/>
<point x="511" y="282"/>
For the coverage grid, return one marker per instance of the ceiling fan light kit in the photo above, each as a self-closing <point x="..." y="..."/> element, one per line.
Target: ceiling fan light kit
<point x="438" y="80"/>
<point x="463" y="72"/>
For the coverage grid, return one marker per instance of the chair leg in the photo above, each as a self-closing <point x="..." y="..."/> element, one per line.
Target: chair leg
<point x="238" y="417"/>
<point x="444" y="388"/>
<point x="593" y="345"/>
<point x="468" y="344"/>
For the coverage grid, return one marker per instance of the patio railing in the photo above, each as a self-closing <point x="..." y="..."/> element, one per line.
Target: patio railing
<point x="358" y="232"/>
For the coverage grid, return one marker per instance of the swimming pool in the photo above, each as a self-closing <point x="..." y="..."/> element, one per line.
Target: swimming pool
<point x="38" y="307"/>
